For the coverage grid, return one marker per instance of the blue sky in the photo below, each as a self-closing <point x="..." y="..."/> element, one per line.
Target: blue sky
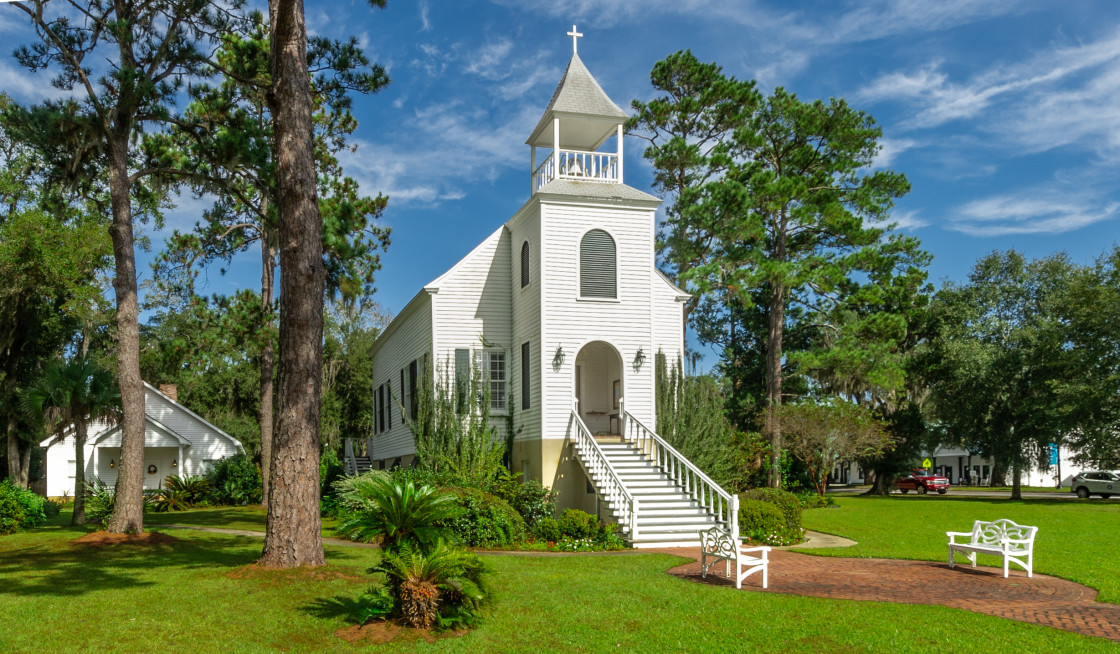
<point x="1004" y="114"/>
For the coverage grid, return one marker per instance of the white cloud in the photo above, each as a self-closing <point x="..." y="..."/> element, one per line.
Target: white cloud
<point x="29" y="87"/>
<point x="425" y="19"/>
<point x="1047" y="212"/>
<point x="903" y="220"/>
<point x="1055" y="97"/>
<point x="889" y="149"/>
<point x="489" y="61"/>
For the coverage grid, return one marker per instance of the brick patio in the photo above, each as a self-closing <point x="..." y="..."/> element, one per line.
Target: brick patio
<point x="1041" y="600"/>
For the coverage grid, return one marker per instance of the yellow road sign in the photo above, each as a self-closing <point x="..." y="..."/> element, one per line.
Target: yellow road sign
<point x="927" y="463"/>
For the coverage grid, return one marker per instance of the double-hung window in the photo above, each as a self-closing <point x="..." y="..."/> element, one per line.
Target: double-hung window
<point x="496" y="374"/>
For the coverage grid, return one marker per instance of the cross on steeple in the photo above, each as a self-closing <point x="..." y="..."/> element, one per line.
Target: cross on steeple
<point x="575" y="35"/>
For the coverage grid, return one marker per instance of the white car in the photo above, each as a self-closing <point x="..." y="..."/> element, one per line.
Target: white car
<point x="1105" y="483"/>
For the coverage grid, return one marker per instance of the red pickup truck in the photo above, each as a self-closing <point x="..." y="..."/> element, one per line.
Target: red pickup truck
<point x="923" y="482"/>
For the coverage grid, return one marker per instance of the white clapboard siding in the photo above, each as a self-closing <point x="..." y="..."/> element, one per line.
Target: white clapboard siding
<point x="407" y="338"/>
<point x="668" y="319"/>
<point x="526" y="315"/>
<point x="176" y="440"/>
<point x="571" y="322"/>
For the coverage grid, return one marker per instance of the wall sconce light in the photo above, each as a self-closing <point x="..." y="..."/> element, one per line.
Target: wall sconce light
<point x="558" y="358"/>
<point x="174" y="463"/>
<point x="639" y="359"/>
<point x="112" y="463"/>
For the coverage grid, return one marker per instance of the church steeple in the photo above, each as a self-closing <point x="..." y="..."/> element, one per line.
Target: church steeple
<point x="579" y="119"/>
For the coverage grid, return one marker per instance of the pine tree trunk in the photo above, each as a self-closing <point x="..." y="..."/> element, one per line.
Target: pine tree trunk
<point x="128" y="512"/>
<point x="268" y="259"/>
<point x="773" y="425"/>
<point x="293" y="534"/>
<point x="79" y="515"/>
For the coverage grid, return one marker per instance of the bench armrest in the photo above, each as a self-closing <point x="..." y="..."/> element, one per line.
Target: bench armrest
<point x="953" y="534"/>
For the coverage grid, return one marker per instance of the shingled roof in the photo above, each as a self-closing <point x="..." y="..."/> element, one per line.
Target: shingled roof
<point x="578" y="93"/>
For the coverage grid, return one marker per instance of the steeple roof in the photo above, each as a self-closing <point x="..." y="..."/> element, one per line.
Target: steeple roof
<point x="579" y="95"/>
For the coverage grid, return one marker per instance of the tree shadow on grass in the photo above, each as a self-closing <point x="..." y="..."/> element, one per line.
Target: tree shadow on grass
<point x="348" y="608"/>
<point x="67" y="569"/>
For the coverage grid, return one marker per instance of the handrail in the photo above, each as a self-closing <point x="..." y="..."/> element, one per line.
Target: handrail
<point x="599" y="466"/>
<point x="707" y="493"/>
<point x="348" y="456"/>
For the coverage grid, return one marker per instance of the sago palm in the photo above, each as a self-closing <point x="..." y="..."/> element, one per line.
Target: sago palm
<point x="397" y="513"/>
<point x="443" y="586"/>
<point x="73" y="394"/>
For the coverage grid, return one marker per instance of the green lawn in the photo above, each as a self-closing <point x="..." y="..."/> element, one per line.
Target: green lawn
<point x="1077" y="540"/>
<point x="248" y="518"/>
<point x="195" y="596"/>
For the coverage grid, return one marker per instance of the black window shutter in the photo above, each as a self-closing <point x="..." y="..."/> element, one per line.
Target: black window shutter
<point x="597" y="265"/>
<point x="526" y="370"/>
<point x="404" y="396"/>
<point x="381" y="407"/>
<point x="413" y="409"/>
<point x="525" y="264"/>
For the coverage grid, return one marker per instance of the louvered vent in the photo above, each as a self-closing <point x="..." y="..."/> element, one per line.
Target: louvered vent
<point x="597" y="265"/>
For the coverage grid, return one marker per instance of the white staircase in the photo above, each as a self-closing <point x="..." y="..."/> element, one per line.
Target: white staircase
<point x="668" y="516"/>
<point x="658" y="497"/>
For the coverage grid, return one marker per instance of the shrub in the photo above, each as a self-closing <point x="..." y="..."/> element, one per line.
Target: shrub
<point x="181" y="493"/>
<point x="19" y="508"/>
<point x="234" y="480"/>
<point x="484" y="520"/>
<point x="578" y="524"/>
<point x="100" y="499"/>
<point x="548" y="530"/>
<point x="443" y="587"/>
<point x="533" y="501"/>
<point x="761" y="521"/>
<point x="394" y="514"/>
<point x="330" y="471"/>
<point x="52" y="508"/>
<point x="810" y="500"/>
<point x="786" y="502"/>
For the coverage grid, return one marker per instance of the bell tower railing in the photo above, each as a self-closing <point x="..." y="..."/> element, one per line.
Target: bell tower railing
<point x="579" y="165"/>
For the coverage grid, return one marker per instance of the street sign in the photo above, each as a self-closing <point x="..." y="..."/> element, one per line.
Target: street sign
<point x="927" y="463"/>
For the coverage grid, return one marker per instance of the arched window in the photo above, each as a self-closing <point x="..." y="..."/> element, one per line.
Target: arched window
<point x="597" y="265"/>
<point x="525" y="264"/>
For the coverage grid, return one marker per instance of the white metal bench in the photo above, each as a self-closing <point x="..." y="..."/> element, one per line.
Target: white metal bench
<point x="1012" y="542"/>
<point x="716" y="545"/>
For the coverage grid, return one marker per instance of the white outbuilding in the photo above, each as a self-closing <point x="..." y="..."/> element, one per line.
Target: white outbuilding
<point x="177" y="441"/>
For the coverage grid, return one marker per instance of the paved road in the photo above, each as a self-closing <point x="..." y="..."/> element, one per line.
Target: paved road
<point x="967" y="491"/>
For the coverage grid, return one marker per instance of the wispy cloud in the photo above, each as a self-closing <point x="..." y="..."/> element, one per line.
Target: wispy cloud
<point x="890" y="149"/>
<point x="1046" y="212"/>
<point x="425" y="20"/>
<point x="1055" y="97"/>
<point x="904" y="220"/>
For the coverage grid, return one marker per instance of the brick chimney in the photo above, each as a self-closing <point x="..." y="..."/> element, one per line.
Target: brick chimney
<point x="170" y="390"/>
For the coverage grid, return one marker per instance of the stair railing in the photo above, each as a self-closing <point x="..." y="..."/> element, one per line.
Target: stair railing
<point x="707" y="493"/>
<point x="607" y="482"/>
<point x="351" y="467"/>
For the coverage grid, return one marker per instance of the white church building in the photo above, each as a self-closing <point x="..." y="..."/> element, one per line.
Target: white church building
<point x="564" y="310"/>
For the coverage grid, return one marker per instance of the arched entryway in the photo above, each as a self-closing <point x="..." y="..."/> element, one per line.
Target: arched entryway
<point x="598" y="387"/>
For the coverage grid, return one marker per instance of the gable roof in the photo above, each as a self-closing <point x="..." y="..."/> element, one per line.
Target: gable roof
<point x="148" y="419"/>
<point x="193" y="415"/>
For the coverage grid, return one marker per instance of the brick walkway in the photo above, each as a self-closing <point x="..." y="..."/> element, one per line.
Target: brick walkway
<point x="1039" y="600"/>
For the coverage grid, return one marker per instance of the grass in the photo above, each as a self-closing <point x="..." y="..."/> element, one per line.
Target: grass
<point x="1077" y="540"/>
<point x="198" y="596"/>
<point x="247" y="518"/>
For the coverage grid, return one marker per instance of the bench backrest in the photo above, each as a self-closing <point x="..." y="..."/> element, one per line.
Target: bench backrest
<point x="719" y="542"/>
<point x="994" y="533"/>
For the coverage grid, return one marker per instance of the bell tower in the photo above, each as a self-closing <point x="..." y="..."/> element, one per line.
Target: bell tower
<point x="579" y="120"/>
